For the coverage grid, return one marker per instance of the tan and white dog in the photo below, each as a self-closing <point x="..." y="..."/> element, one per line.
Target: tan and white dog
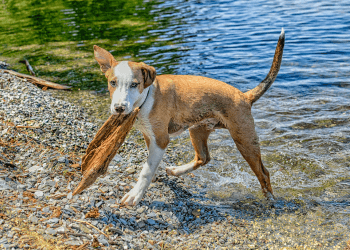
<point x="171" y="104"/>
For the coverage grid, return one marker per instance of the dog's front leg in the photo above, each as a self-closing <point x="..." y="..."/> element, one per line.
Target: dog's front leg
<point x="149" y="168"/>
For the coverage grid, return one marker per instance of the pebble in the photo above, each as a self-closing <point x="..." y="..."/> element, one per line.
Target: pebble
<point x="39" y="194"/>
<point x="51" y="231"/>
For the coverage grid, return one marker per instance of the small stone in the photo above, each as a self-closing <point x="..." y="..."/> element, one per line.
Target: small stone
<point x="196" y="212"/>
<point x="33" y="219"/>
<point x="73" y="243"/>
<point x="50" y="183"/>
<point x="141" y="224"/>
<point x="130" y="170"/>
<point x="53" y="221"/>
<point x="39" y="194"/>
<point x="3" y="185"/>
<point x="46" y="209"/>
<point x="123" y="221"/>
<point x="21" y="187"/>
<point x="140" y="210"/>
<point x="151" y="222"/>
<point x="85" y="229"/>
<point x="115" y="230"/>
<point x="61" y="229"/>
<point x="151" y="215"/>
<point x="70" y="196"/>
<point x="117" y="158"/>
<point x="51" y="231"/>
<point x="35" y="169"/>
<point x="62" y="159"/>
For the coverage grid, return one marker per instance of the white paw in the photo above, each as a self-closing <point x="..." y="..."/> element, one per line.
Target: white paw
<point x="171" y="171"/>
<point x="133" y="197"/>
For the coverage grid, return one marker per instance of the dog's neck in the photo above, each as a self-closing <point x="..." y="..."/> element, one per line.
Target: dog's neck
<point x="144" y="99"/>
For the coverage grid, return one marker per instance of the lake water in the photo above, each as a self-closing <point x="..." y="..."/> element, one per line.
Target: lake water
<point x="303" y="121"/>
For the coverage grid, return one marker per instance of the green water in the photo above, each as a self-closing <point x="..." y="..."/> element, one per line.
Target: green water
<point x="57" y="37"/>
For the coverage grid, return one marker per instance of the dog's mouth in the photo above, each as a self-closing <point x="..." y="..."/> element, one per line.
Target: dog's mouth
<point x="119" y="112"/>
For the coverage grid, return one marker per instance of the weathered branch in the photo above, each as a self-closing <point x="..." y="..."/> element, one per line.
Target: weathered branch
<point x="29" y="67"/>
<point x="38" y="81"/>
<point x="104" y="147"/>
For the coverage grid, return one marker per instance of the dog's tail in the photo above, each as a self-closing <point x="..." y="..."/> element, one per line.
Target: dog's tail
<point x="254" y="94"/>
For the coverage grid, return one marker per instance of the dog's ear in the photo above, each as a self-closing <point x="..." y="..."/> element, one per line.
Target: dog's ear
<point x="104" y="58"/>
<point x="149" y="74"/>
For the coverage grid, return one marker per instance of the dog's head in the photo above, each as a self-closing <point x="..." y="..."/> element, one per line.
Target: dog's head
<point x="126" y="81"/>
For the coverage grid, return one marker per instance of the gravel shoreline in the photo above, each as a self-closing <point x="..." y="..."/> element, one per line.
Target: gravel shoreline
<point x="42" y="141"/>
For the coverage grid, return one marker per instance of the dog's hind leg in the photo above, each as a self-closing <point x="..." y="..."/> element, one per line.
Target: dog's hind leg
<point x="248" y="144"/>
<point x="199" y="135"/>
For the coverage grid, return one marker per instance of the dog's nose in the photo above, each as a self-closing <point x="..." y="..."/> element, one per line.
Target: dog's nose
<point x="119" y="108"/>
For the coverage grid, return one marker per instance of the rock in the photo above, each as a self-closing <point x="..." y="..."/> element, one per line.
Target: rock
<point x="123" y="221"/>
<point x="151" y="215"/>
<point x="141" y="224"/>
<point x="115" y="230"/>
<point x="73" y="243"/>
<point x="62" y="159"/>
<point x="50" y="183"/>
<point x="151" y="222"/>
<point x="70" y="196"/>
<point x="85" y="229"/>
<point x="50" y="231"/>
<point x="130" y="170"/>
<point x="140" y="210"/>
<point x="117" y="158"/>
<point x="61" y="229"/>
<point x="46" y="209"/>
<point x="39" y="194"/>
<point x="52" y="221"/>
<point x="21" y="187"/>
<point x="3" y="185"/>
<point x="35" y="169"/>
<point x="99" y="204"/>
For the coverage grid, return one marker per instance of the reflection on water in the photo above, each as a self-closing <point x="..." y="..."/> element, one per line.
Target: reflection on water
<point x="303" y="121"/>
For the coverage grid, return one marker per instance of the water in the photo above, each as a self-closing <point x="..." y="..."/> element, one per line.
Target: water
<point x="302" y="121"/>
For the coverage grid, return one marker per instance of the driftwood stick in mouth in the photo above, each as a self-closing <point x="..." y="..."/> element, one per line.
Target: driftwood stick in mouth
<point x="38" y="81"/>
<point x="104" y="147"/>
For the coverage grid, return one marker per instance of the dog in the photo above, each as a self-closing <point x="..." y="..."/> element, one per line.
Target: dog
<point x="170" y="104"/>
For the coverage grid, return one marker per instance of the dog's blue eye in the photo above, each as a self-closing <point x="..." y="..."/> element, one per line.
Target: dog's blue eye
<point x="113" y="83"/>
<point x="134" y="84"/>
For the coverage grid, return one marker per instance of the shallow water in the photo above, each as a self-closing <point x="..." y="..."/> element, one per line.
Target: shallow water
<point x="302" y="121"/>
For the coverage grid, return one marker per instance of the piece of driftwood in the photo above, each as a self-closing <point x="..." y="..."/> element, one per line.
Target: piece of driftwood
<point x="28" y="66"/>
<point x="104" y="147"/>
<point x="38" y="81"/>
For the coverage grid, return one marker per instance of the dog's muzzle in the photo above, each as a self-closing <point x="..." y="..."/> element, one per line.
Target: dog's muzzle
<point x="119" y="108"/>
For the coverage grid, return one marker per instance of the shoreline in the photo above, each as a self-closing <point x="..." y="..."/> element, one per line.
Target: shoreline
<point x="37" y="210"/>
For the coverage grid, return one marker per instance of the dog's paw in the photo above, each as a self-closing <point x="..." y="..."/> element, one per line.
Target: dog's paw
<point x="155" y="178"/>
<point x="133" y="197"/>
<point x="171" y="171"/>
<point x="269" y="196"/>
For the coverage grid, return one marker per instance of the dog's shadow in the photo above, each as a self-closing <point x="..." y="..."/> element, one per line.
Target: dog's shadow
<point x="188" y="212"/>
